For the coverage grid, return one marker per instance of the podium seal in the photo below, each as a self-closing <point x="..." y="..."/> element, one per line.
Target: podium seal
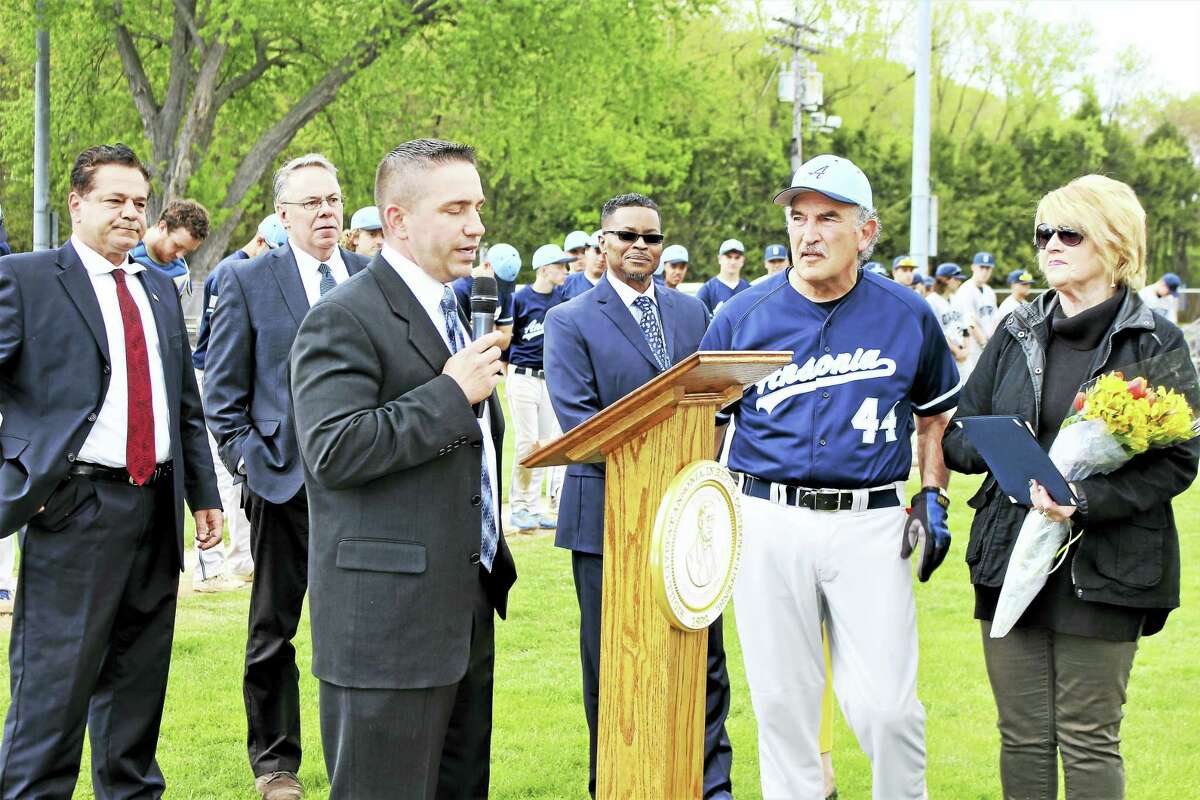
<point x="697" y="545"/>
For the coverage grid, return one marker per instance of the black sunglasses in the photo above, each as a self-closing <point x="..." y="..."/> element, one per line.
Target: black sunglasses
<point x="633" y="236"/>
<point x="1044" y="233"/>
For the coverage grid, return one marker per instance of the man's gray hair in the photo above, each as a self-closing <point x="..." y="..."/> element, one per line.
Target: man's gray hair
<point x="864" y="216"/>
<point x="308" y="160"/>
<point x="415" y="156"/>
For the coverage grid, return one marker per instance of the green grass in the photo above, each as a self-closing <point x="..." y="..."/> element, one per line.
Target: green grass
<point x="540" y="739"/>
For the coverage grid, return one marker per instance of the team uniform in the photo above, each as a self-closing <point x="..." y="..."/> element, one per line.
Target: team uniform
<point x="177" y="270"/>
<point x="978" y="307"/>
<point x="576" y="284"/>
<point x="716" y="293"/>
<point x="1166" y="306"/>
<point x="529" y="401"/>
<point x="504" y="298"/>
<point x="821" y="451"/>
<point x="1007" y="307"/>
<point x="952" y="323"/>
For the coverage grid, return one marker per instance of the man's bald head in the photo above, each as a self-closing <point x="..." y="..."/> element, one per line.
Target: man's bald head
<point x="397" y="178"/>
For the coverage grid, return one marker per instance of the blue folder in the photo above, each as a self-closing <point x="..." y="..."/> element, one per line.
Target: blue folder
<point x="1013" y="454"/>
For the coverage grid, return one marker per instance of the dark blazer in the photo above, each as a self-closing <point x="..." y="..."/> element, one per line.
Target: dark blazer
<point x="54" y="374"/>
<point x="595" y="354"/>
<point x="260" y="304"/>
<point x="392" y="454"/>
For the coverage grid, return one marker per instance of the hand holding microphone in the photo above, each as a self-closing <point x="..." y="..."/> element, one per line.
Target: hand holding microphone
<point x="477" y="368"/>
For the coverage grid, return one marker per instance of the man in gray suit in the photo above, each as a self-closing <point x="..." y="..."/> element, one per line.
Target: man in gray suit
<point x="408" y="561"/>
<point x="260" y="305"/>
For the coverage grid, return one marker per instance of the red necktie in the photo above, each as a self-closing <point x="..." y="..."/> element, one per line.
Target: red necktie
<point x="139" y="440"/>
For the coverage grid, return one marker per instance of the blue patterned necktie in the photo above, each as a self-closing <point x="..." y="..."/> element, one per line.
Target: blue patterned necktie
<point x="327" y="281"/>
<point x="488" y="539"/>
<point x="653" y="332"/>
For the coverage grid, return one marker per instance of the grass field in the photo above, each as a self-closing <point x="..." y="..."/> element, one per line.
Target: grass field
<point x="540" y="740"/>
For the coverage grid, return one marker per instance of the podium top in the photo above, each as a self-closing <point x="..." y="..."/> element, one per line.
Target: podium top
<point x="710" y="377"/>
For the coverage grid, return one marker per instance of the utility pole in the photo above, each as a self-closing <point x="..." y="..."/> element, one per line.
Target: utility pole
<point x="800" y="70"/>
<point x="41" y="134"/>
<point x="918" y="234"/>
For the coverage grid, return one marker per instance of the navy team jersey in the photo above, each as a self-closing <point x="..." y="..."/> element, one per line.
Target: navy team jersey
<point x="504" y="298"/>
<point x="576" y="284"/>
<point x="529" y="315"/>
<point x="715" y="294"/>
<point x="177" y="270"/>
<point x="840" y="415"/>
<point x="200" y="354"/>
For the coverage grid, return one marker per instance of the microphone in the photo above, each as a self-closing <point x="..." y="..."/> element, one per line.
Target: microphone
<point x="484" y="299"/>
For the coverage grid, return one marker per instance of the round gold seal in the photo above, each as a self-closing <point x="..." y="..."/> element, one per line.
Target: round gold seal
<point x="697" y="545"/>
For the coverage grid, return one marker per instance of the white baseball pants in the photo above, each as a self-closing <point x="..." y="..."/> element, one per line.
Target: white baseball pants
<point x="533" y="421"/>
<point x="214" y="562"/>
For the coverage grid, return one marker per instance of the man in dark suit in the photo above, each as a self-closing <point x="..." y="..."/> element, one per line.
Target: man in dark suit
<point x="599" y="347"/>
<point x="408" y="560"/>
<point x="260" y="305"/>
<point x="103" y="439"/>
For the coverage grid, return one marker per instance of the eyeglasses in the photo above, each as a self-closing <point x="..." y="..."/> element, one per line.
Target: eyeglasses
<point x="1044" y="233"/>
<point x="632" y="236"/>
<point x="315" y="203"/>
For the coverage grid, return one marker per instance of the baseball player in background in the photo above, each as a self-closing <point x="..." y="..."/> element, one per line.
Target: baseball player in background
<point x="977" y="302"/>
<point x="821" y="451"/>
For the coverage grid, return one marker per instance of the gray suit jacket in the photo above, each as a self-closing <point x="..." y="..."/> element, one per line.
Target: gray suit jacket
<point x="392" y="454"/>
<point x="54" y="374"/>
<point x="260" y="304"/>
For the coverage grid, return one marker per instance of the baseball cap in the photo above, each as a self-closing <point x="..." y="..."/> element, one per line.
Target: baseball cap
<point x="551" y="254"/>
<point x="1172" y="281"/>
<point x="950" y="270"/>
<point x="876" y="267"/>
<point x="928" y="281"/>
<point x="366" y="219"/>
<point x="575" y="240"/>
<point x="774" y="252"/>
<point x="272" y="231"/>
<point x="505" y="261"/>
<point x="594" y="240"/>
<point x="730" y="245"/>
<point x="983" y="259"/>
<point x="835" y="177"/>
<point x="672" y="253"/>
<point x="1020" y="276"/>
<point x="903" y="261"/>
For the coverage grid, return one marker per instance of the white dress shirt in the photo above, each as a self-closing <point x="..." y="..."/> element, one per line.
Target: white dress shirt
<point x="629" y="296"/>
<point x="310" y="271"/>
<point x="105" y="443"/>
<point x="429" y="292"/>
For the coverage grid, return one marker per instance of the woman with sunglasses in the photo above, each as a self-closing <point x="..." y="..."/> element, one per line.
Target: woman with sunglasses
<point x="1059" y="676"/>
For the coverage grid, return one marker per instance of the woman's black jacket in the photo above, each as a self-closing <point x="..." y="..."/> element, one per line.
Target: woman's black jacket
<point x="1129" y="553"/>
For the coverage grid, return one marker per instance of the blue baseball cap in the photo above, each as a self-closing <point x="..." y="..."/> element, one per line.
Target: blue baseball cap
<point x="983" y="259"/>
<point x="1172" y="281"/>
<point x="272" y="231"/>
<point x="949" y="270"/>
<point x="876" y="267"/>
<point x="903" y="261"/>
<point x="574" y="241"/>
<point x="729" y="245"/>
<point x="774" y="252"/>
<point x="928" y="281"/>
<point x="366" y="219"/>
<point x="505" y="261"/>
<point x="551" y="254"/>
<point x="1020" y="276"/>
<point x="835" y="177"/>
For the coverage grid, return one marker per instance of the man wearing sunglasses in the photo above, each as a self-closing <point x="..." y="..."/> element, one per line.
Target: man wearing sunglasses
<point x="260" y="305"/>
<point x="598" y="348"/>
<point x="821" y="452"/>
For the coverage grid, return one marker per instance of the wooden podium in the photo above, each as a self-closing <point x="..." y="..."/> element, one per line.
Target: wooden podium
<point x="652" y="674"/>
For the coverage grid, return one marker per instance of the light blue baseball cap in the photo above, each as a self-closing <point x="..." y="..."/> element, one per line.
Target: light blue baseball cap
<point x="575" y="240"/>
<point x="594" y="240"/>
<point x="272" y="231"/>
<point x="673" y="253"/>
<point x="550" y="254"/>
<point x="505" y="261"/>
<point x="366" y="219"/>
<point x="729" y="245"/>
<point x="833" y="176"/>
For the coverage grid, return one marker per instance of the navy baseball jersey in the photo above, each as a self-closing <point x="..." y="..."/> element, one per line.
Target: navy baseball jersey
<point x="504" y="298"/>
<point x="529" y="317"/>
<point x="576" y="284"/>
<point x="840" y="415"/>
<point x="715" y="294"/>
<point x="200" y="354"/>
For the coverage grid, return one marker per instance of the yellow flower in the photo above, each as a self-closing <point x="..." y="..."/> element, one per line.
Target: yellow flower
<point x="1137" y="416"/>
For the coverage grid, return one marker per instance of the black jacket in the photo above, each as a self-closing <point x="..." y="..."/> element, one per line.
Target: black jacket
<point x="1129" y="555"/>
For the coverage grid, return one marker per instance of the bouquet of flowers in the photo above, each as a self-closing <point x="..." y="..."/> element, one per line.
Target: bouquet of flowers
<point x="1114" y="418"/>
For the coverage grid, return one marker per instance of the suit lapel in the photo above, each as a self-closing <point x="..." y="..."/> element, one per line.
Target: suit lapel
<point x="160" y="310"/>
<point x="604" y="295"/>
<point x="287" y="274"/>
<point x="78" y="283"/>
<point x="424" y="338"/>
<point x="667" y="311"/>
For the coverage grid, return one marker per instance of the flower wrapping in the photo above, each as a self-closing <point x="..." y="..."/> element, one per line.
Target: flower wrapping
<point x="1113" y="420"/>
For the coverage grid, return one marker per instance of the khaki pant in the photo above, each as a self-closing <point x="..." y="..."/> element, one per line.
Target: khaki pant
<point x="1057" y="693"/>
<point x="533" y="421"/>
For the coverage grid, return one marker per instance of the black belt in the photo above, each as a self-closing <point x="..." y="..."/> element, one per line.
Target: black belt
<point x="99" y="472"/>
<point x="530" y="371"/>
<point x="816" y="499"/>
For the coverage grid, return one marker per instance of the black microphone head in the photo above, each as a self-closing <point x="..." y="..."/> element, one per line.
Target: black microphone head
<point x="484" y="295"/>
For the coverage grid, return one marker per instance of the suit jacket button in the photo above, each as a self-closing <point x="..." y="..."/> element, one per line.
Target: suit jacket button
<point x="70" y="456"/>
<point x="476" y="500"/>
<point x="474" y="558"/>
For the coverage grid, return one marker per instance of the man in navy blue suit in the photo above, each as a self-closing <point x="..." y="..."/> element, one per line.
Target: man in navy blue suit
<point x="599" y="347"/>
<point x="260" y="305"/>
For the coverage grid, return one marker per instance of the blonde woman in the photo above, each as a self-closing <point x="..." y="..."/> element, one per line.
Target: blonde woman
<point x="1059" y="676"/>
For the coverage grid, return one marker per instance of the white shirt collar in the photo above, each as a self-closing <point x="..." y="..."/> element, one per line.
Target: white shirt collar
<point x="308" y="263"/>
<point x="428" y="290"/>
<point x="97" y="264"/>
<point x="627" y="293"/>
